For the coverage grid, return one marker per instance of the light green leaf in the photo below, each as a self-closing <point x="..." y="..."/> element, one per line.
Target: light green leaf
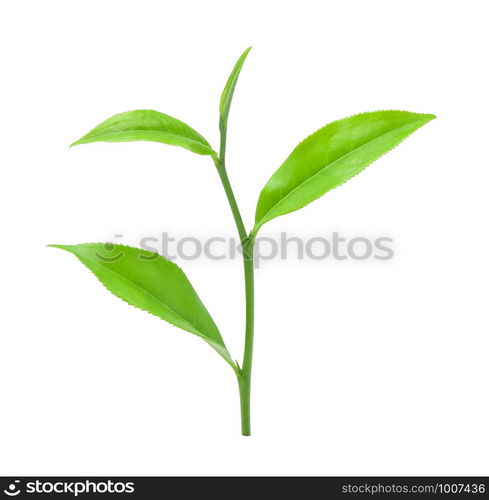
<point x="147" y="125"/>
<point x="227" y="93"/>
<point x="330" y="157"/>
<point x="150" y="282"/>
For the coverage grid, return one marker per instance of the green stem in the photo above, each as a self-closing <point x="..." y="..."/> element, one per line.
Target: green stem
<point x="244" y="373"/>
<point x="245" y="381"/>
<point x="221" y="169"/>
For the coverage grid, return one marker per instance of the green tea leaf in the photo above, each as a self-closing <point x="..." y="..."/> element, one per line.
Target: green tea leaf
<point x="147" y="125"/>
<point x="227" y="93"/>
<point x="330" y="157"/>
<point x="150" y="282"/>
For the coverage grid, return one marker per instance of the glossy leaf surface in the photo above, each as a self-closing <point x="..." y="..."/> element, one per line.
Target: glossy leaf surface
<point x="147" y="125"/>
<point x="152" y="283"/>
<point x="330" y="157"/>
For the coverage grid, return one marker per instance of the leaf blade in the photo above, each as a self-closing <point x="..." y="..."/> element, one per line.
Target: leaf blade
<point x="228" y="92"/>
<point x="331" y="156"/>
<point x="147" y="125"/>
<point x="152" y="283"/>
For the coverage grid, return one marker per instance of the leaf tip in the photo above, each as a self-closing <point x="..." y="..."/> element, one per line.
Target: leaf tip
<point x="244" y="55"/>
<point x="61" y="247"/>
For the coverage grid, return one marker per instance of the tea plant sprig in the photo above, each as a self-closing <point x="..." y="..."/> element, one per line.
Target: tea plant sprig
<point x="324" y="160"/>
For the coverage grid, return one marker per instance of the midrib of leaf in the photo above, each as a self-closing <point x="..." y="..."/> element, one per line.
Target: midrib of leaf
<point x="291" y="192"/>
<point x="189" y="139"/>
<point x="190" y="328"/>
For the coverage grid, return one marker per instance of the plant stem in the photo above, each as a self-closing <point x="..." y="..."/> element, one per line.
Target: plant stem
<point x="244" y="373"/>
<point x="245" y="381"/>
<point x="221" y="168"/>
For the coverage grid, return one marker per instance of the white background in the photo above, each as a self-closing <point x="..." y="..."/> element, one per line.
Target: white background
<point x="360" y="367"/>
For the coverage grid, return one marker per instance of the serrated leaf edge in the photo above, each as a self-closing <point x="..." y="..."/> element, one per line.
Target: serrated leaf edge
<point x="218" y="348"/>
<point x="204" y="143"/>
<point x="260" y="223"/>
